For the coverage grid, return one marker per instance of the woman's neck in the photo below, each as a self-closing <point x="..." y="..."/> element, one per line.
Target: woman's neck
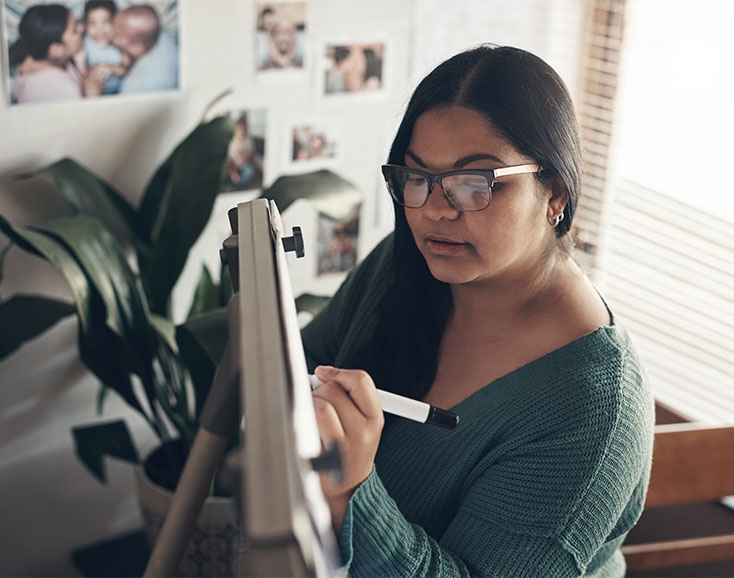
<point x="511" y="301"/>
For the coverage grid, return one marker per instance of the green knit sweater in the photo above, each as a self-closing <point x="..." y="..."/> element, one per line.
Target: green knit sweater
<point x="544" y="476"/>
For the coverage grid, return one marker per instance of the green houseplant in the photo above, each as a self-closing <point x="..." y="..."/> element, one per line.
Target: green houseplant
<point x="121" y="264"/>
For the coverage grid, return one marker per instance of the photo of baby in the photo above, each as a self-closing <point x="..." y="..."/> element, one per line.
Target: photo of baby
<point x="279" y="38"/>
<point x="353" y="68"/>
<point x="82" y="49"/>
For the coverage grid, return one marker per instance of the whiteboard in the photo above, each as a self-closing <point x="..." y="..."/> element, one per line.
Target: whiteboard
<point x="285" y="516"/>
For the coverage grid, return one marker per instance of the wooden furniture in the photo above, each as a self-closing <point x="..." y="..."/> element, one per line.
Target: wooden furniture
<point x="692" y="462"/>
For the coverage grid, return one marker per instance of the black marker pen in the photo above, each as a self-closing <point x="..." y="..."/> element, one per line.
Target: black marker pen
<point x="408" y="408"/>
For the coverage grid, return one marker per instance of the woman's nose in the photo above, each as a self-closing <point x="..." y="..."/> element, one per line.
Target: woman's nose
<point x="438" y="206"/>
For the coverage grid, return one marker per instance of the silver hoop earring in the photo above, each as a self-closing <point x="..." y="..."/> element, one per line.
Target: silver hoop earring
<point x="555" y="220"/>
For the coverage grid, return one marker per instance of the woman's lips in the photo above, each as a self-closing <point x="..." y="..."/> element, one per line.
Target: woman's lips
<point x="439" y="245"/>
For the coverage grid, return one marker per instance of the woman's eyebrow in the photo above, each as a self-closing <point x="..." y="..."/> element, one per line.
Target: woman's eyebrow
<point x="415" y="157"/>
<point x="462" y="162"/>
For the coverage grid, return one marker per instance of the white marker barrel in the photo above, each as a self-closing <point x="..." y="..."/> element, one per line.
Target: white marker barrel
<point x="408" y="408"/>
<point x="403" y="406"/>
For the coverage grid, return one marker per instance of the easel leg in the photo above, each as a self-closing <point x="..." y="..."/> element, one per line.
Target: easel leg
<point x="193" y="488"/>
<point x="220" y="418"/>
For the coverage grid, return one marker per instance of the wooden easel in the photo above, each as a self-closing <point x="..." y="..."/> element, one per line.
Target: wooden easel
<point x="263" y="378"/>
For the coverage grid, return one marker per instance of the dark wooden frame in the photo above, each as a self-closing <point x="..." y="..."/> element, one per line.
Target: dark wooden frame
<point x="692" y="462"/>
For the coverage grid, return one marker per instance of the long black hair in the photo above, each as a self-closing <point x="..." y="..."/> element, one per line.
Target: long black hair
<point x="524" y="99"/>
<point x="40" y="26"/>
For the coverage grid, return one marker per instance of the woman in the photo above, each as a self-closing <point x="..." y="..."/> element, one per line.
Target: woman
<point x="476" y="304"/>
<point x="48" y="38"/>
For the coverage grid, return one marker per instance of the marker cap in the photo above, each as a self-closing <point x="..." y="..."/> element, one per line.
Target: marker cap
<point x="443" y="418"/>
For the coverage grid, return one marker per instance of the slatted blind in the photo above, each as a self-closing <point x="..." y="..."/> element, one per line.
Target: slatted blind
<point x="670" y="279"/>
<point x="596" y="104"/>
<point x="665" y="267"/>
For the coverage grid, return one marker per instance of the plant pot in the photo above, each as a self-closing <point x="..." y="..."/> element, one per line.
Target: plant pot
<point x="216" y="545"/>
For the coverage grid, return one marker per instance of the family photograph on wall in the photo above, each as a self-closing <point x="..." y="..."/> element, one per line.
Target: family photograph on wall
<point x="353" y="68"/>
<point x="75" y="49"/>
<point x="337" y="244"/>
<point x="313" y="141"/>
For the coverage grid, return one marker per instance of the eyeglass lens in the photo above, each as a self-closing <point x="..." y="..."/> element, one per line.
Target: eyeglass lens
<point x="465" y="191"/>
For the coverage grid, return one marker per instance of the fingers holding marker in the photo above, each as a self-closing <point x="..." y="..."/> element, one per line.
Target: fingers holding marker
<point x="348" y="412"/>
<point x="358" y="385"/>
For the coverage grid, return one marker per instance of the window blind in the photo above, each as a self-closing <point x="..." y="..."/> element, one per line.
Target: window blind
<point x="596" y="104"/>
<point x="669" y="277"/>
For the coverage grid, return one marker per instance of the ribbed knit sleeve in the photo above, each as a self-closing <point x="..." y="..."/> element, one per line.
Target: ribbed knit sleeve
<point x="376" y="540"/>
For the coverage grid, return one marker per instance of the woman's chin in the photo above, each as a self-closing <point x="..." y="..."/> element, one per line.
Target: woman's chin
<point x="449" y="272"/>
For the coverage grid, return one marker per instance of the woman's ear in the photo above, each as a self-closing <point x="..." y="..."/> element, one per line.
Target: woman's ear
<point x="559" y="197"/>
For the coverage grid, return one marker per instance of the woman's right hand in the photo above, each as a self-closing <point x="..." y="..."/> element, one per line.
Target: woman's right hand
<point x="348" y="412"/>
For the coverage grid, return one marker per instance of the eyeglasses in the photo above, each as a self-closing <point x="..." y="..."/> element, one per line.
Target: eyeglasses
<point x="465" y="189"/>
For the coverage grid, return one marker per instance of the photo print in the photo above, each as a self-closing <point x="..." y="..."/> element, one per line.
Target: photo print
<point x="243" y="169"/>
<point x="337" y="244"/>
<point x="313" y="142"/>
<point x="75" y="49"/>
<point x="280" y="36"/>
<point x="353" y="68"/>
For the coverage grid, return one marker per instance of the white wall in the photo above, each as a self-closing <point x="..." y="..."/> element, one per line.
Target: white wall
<point x="44" y="389"/>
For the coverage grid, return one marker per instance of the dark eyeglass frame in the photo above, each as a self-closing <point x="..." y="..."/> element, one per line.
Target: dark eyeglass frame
<point x="489" y="174"/>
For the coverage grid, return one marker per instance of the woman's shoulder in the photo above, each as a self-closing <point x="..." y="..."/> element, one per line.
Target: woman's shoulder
<point x="49" y="83"/>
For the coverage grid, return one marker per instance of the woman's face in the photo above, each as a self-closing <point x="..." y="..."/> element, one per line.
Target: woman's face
<point x="503" y="243"/>
<point x="71" y="42"/>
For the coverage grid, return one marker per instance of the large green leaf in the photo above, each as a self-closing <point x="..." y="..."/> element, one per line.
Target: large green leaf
<point x="128" y="343"/>
<point x="22" y="317"/>
<point x="166" y="329"/>
<point x="101" y="350"/>
<point x="106" y="357"/>
<point x="103" y="260"/>
<point x="94" y="442"/>
<point x="176" y="206"/>
<point x="85" y="192"/>
<point x="55" y="252"/>
<point x="329" y="193"/>
<point x="225" y="285"/>
<point x="311" y="303"/>
<point x="201" y="341"/>
<point x="206" y="296"/>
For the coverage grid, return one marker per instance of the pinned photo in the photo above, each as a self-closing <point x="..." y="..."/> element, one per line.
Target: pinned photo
<point x="337" y="244"/>
<point x="78" y="49"/>
<point x="353" y="68"/>
<point x="312" y="143"/>
<point x="280" y="42"/>
<point x="243" y="169"/>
